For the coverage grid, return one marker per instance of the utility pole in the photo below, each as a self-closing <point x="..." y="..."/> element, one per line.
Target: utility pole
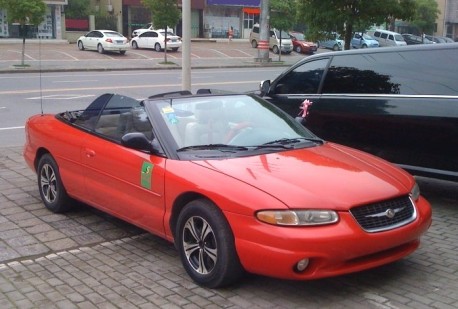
<point x="264" y="33"/>
<point x="186" y="47"/>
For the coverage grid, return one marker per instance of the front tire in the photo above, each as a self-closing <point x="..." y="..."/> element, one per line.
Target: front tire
<point x="275" y="49"/>
<point x="134" y="45"/>
<point x="52" y="191"/>
<point x="298" y="49"/>
<point x="335" y="47"/>
<point x="80" y="45"/>
<point x="206" y="245"/>
<point x="254" y="44"/>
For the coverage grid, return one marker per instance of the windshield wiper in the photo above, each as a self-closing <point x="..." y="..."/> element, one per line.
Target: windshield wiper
<point x="288" y="141"/>
<point x="220" y="147"/>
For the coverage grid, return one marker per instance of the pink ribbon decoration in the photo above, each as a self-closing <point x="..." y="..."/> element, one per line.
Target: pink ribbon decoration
<point x="304" y="108"/>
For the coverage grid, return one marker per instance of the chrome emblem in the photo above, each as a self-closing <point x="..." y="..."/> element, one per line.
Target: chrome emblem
<point x="390" y="213"/>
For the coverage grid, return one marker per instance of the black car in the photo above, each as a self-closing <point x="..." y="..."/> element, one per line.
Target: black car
<point x="412" y="39"/>
<point x="399" y="103"/>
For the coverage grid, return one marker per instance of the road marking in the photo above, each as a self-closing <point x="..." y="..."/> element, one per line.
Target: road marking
<point x="25" y="55"/>
<point x="62" y="97"/>
<point x="68" y="55"/>
<point x="117" y="88"/>
<point x="76" y="81"/>
<point x="244" y="52"/>
<point x="11" y="128"/>
<point x="225" y="55"/>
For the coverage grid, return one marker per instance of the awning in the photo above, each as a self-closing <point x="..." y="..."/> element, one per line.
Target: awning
<point x="252" y="10"/>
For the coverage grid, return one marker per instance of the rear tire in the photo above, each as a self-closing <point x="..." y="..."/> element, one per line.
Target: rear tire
<point x="52" y="191"/>
<point x="206" y="245"/>
<point x="335" y="47"/>
<point x="122" y="52"/>
<point x="254" y="44"/>
<point x="275" y="49"/>
<point x="157" y="47"/>
<point x="100" y="49"/>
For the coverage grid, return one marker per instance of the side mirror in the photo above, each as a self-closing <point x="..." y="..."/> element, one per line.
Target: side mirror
<point x="136" y="140"/>
<point x="264" y="87"/>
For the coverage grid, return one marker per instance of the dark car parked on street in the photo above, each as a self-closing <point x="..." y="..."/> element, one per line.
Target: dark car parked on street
<point x="399" y="103"/>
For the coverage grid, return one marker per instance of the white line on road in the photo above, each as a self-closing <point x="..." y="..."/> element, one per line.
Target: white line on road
<point x="11" y="128"/>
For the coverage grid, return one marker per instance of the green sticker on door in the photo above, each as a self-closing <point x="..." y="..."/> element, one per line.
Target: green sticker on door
<point x="146" y="175"/>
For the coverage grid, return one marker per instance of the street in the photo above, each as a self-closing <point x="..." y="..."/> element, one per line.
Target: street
<point x="88" y="259"/>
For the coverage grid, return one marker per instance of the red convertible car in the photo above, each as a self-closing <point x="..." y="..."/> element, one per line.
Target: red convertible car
<point x="237" y="184"/>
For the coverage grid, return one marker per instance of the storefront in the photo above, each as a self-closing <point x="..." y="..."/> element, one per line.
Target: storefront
<point x="50" y="28"/>
<point x="220" y="15"/>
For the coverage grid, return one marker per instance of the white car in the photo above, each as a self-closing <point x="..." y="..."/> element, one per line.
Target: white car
<point x="156" y="39"/>
<point x="104" y="40"/>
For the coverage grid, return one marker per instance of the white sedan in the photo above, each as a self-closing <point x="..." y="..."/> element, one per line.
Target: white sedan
<point x="156" y="39"/>
<point x="104" y="40"/>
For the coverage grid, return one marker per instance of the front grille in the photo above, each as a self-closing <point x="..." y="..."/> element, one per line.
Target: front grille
<point x="385" y="215"/>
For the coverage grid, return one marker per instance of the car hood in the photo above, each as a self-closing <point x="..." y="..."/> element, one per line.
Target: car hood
<point x="329" y="176"/>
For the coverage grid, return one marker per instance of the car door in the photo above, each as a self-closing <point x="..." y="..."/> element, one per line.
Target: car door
<point x="124" y="182"/>
<point x="92" y="39"/>
<point x="301" y="82"/>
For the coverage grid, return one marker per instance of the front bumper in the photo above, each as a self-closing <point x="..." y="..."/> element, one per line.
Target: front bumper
<point x="333" y="250"/>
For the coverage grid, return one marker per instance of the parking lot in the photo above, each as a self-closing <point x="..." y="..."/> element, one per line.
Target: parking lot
<point x="57" y="56"/>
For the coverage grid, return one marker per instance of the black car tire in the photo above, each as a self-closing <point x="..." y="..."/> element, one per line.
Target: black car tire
<point x="364" y="46"/>
<point x="206" y="245"/>
<point x="175" y="49"/>
<point x="335" y="47"/>
<point x="80" y="45"/>
<point x="254" y="44"/>
<point x="100" y="49"/>
<point x="134" y="45"/>
<point x="275" y="49"/>
<point x="52" y="191"/>
<point x="157" y="47"/>
<point x="298" y="49"/>
<point x="122" y="52"/>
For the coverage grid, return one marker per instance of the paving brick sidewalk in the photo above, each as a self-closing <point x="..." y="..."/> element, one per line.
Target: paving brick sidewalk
<point x="86" y="259"/>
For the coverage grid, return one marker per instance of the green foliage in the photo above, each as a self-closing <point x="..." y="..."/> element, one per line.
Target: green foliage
<point x="425" y="15"/>
<point x="24" y="11"/>
<point x="282" y="14"/>
<point x="165" y="13"/>
<point x="346" y="16"/>
<point x="77" y="9"/>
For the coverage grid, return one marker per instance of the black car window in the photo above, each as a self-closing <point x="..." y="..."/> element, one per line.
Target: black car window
<point x="384" y="35"/>
<point x="305" y="78"/>
<point x="154" y="34"/>
<point x="409" y="73"/>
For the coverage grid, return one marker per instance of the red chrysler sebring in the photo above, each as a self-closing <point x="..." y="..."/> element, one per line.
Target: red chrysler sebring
<point x="235" y="183"/>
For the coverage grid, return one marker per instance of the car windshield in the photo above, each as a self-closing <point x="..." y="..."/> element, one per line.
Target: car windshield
<point x="168" y="33"/>
<point x="113" y="34"/>
<point x="398" y="37"/>
<point x="282" y="34"/>
<point x="230" y="122"/>
<point x="368" y="37"/>
<point x="299" y="36"/>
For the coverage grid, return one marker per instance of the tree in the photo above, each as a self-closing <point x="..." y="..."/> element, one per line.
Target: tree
<point x="282" y="17"/>
<point x="425" y="16"/>
<point x="26" y="13"/>
<point x="77" y="9"/>
<point x="346" y="16"/>
<point x="165" y="13"/>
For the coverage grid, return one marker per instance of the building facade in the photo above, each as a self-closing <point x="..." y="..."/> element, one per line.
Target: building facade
<point x="50" y="28"/>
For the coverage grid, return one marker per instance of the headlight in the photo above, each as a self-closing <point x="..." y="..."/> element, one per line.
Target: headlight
<point x="297" y="217"/>
<point x="415" y="192"/>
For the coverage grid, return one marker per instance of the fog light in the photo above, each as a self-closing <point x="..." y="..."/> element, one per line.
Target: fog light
<point x="302" y="265"/>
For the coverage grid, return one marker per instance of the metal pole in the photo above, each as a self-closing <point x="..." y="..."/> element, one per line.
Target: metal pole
<point x="186" y="46"/>
<point x="264" y="32"/>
